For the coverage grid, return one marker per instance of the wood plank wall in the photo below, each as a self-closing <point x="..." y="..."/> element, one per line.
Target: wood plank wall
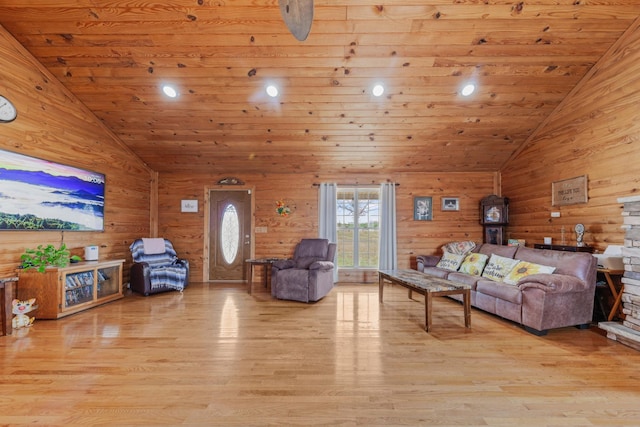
<point x="594" y="132"/>
<point x="53" y="125"/>
<point x="298" y="191"/>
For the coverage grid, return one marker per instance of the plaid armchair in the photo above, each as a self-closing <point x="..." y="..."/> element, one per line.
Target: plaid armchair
<point x="156" y="267"/>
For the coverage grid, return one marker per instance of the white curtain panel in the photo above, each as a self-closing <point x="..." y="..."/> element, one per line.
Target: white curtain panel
<point x="327" y="217"/>
<point x="388" y="247"/>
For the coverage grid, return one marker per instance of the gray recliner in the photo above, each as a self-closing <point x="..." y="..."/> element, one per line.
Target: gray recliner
<point x="308" y="276"/>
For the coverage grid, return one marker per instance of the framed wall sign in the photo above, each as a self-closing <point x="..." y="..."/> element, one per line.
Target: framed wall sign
<point x="189" y="206"/>
<point x="422" y="209"/>
<point x="569" y="191"/>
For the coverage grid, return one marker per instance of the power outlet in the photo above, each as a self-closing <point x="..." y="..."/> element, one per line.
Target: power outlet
<point x="555" y="214"/>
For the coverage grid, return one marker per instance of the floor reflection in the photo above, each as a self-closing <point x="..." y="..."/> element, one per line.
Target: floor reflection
<point x="228" y="319"/>
<point x="357" y="351"/>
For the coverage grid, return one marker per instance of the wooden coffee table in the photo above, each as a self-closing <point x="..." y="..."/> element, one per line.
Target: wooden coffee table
<point x="429" y="286"/>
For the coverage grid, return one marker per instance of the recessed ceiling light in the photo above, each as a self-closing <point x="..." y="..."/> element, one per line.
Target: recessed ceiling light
<point x="169" y="91"/>
<point x="468" y="89"/>
<point x="378" y="90"/>
<point x="272" y="91"/>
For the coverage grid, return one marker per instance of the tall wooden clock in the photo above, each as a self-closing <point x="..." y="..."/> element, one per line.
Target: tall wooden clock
<point x="494" y="217"/>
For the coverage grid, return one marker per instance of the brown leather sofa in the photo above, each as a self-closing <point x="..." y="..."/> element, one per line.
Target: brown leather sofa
<point x="539" y="302"/>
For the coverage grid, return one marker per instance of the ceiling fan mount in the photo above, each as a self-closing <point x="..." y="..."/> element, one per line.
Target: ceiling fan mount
<point x="298" y="16"/>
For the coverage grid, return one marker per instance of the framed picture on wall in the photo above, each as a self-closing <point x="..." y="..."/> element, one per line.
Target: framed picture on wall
<point x="40" y="195"/>
<point x="450" y="204"/>
<point x="422" y="209"/>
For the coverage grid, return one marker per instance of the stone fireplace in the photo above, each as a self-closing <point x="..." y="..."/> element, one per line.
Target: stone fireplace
<point x="628" y="332"/>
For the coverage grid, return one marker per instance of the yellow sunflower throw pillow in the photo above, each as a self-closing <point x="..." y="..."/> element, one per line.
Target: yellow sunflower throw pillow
<point x="523" y="269"/>
<point x="473" y="264"/>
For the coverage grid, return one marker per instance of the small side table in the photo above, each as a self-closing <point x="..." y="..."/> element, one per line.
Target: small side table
<point x="266" y="263"/>
<point x="617" y="307"/>
<point x="6" y="297"/>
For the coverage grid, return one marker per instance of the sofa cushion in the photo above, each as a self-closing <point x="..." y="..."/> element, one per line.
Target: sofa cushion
<point x="525" y="268"/>
<point x="498" y="267"/>
<point x="505" y="251"/>
<point x="460" y="248"/>
<point x="571" y="263"/>
<point x="473" y="264"/>
<point x="500" y="290"/>
<point x="450" y="261"/>
<point x="464" y="278"/>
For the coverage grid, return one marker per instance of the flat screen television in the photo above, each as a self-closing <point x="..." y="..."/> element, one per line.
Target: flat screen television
<point x="36" y="194"/>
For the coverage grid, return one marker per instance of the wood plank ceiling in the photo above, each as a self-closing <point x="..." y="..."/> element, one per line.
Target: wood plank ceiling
<point x="524" y="56"/>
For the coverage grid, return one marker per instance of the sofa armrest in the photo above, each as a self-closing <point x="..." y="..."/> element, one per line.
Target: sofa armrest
<point x="426" y="261"/>
<point x="321" y="265"/>
<point x="283" y="264"/>
<point x="556" y="283"/>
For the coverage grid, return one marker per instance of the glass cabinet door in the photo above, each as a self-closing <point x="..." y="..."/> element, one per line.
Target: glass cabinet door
<point x="78" y="288"/>
<point x="108" y="281"/>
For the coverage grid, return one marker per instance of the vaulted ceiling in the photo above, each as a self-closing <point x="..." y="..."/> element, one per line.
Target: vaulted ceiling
<point x="524" y="56"/>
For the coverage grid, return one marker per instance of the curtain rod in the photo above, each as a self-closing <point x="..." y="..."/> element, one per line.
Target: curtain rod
<point x="315" y="184"/>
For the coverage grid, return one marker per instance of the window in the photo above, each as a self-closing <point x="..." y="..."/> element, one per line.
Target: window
<point x="358" y="221"/>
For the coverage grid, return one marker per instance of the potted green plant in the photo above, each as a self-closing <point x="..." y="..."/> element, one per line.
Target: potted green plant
<point x="46" y="256"/>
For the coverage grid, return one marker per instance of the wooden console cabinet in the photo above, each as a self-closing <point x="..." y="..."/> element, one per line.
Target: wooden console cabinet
<point x="564" y="248"/>
<point x="63" y="291"/>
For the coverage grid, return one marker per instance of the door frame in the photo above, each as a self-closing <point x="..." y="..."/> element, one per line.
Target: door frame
<point x="207" y="215"/>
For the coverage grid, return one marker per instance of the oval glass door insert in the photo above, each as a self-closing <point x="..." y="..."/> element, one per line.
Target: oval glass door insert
<point x="230" y="234"/>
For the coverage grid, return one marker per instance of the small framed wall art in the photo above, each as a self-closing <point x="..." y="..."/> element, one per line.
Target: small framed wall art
<point x="422" y="209"/>
<point x="450" y="204"/>
<point x="189" y="206"/>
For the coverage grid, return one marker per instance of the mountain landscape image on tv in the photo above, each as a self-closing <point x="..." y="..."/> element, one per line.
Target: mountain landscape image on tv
<point x="36" y="194"/>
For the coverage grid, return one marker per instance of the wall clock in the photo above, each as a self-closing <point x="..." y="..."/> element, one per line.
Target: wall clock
<point x="494" y="217"/>
<point x="8" y="112"/>
<point x="494" y="210"/>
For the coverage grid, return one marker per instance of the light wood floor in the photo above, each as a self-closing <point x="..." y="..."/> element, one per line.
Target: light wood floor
<point x="216" y="355"/>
